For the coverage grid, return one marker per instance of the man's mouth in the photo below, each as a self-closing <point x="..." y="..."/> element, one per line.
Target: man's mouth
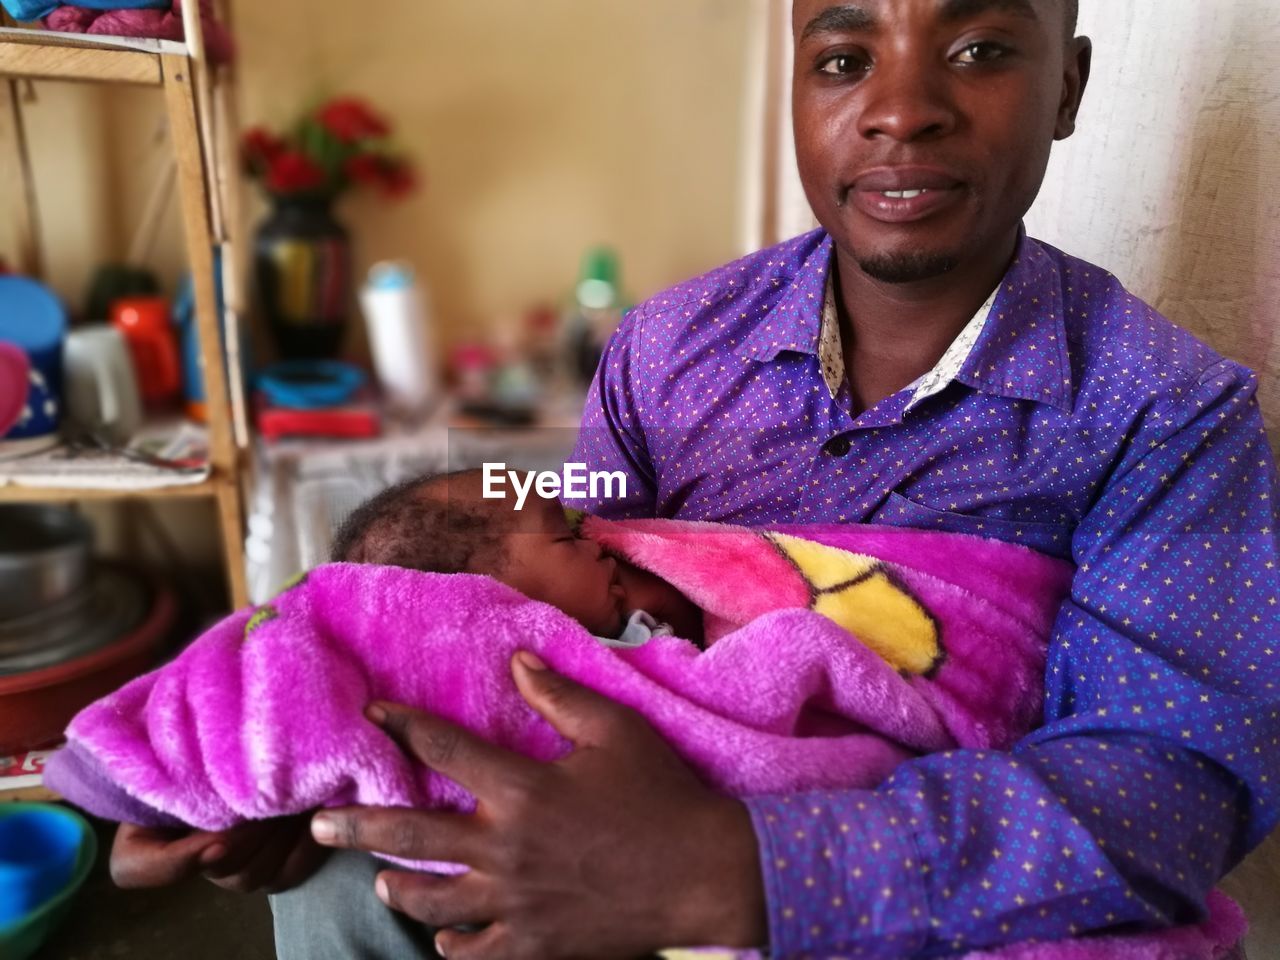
<point x="904" y="194"/>
<point x="906" y="179"/>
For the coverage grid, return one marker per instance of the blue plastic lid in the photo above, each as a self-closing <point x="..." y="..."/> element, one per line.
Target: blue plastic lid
<point x="310" y="384"/>
<point x="30" y="315"/>
<point x="391" y="275"/>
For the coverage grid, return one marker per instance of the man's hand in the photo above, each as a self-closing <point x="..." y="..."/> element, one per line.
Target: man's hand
<point x="615" y="850"/>
<point x="265" y="856"/>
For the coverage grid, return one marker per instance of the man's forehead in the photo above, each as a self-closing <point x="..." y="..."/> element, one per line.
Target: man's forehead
<point x="811" y="16"/>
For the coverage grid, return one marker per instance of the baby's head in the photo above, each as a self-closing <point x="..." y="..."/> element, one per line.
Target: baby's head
<point x="443" y="524"/>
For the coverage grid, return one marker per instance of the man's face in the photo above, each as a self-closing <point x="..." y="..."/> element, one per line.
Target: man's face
<point x="923" y="127"/>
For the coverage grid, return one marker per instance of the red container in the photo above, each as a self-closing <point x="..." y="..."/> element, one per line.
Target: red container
<point x="36" y="706"/>
<point x="148" y="329"/>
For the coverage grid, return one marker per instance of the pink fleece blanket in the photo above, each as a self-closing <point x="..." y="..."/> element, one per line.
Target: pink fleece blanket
<point x="838" y="652"/>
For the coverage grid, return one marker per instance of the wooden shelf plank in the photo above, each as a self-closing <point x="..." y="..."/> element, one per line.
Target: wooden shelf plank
<point x="29" y="795"/>
<point x="14" y="493"/>
<point x="45" y="60"/>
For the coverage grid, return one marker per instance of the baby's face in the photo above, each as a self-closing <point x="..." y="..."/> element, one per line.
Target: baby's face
<point x="546" y="561"/>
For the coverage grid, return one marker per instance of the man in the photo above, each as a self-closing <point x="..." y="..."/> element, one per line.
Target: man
<point x="918" y="362"/>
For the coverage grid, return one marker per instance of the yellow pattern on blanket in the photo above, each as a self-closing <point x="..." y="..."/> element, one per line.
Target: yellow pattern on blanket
<point x="857" y="593"/>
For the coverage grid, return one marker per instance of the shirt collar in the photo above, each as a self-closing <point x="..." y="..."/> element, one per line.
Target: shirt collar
<point x="1015" y="345"/>
<point x="793" y="322"/>
<point x="1023" y="350"/>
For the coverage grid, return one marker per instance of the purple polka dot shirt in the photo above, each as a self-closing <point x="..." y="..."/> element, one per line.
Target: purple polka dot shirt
<point x="1080" y="423"/>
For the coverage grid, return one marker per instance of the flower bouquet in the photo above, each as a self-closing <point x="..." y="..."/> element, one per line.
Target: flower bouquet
<point x="302" y="255"/>
<point x="341" y="144"/>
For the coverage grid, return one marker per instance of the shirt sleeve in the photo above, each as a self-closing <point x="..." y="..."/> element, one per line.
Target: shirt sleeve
<point x="1156" y="768"/>
<point x="611" y="437"/>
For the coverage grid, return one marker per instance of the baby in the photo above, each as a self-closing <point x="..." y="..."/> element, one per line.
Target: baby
<point x="443" y="524"/>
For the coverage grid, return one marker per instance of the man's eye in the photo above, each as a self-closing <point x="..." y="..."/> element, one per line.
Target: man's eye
<point x="842" y="64"/>
<point x="981" y="52"/>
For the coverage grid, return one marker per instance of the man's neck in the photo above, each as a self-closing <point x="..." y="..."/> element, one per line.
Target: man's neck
<point x="893" y="334"/>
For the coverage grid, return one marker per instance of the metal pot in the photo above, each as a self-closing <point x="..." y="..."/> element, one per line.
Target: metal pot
<point x="44" y="557"/>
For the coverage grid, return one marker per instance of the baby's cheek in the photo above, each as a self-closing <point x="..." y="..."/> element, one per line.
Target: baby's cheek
<point x="643" y="590"/>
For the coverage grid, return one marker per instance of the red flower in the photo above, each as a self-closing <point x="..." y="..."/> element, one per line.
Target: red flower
<point x="293" y="172"/>
<point x="394" y="178"/>
<point x="398" y="179"/>
<point x="260" y="147"/>
<point x="364" y="168"/>
<point x="351" y="120"/>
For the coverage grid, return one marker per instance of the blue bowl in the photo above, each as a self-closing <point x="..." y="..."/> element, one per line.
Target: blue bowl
<point x="46" y="852"/>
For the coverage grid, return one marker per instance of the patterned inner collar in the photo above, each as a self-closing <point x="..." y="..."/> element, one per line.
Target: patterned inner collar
<point x="831" y="349"/>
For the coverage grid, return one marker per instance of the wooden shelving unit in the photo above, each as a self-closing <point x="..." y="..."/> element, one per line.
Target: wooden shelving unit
<point x="202" y="133"/>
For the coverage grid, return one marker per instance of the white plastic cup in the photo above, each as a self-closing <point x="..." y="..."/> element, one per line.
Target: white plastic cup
<point x="395" y="314"/>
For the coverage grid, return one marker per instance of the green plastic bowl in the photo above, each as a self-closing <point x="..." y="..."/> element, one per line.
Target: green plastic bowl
<point x="21" y="938"/>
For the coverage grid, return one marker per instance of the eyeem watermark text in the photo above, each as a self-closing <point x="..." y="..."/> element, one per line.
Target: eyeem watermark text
<point x="574" y="483"/>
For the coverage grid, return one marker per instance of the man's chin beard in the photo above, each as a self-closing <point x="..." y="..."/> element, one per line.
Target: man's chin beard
<point x="907" y="267"/>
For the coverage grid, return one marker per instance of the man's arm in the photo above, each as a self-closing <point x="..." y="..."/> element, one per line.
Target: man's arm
<point x="1156" y="769"/>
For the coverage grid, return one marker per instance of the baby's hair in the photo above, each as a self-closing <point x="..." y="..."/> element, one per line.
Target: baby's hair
<point x="418" y="525"/>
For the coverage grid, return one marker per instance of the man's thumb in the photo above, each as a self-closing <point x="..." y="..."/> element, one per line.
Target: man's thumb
<point x="576" y="712"/>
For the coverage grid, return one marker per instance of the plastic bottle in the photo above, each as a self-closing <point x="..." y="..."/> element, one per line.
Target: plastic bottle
<point x="594" y="315"/>
<point x="395" y="314"/>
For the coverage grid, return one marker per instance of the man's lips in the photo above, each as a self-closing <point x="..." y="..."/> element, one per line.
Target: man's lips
<point x="906" y="178"/>
<point x="904" y="194"/>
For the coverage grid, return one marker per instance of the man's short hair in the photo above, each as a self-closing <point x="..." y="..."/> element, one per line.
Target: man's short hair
<point x="1072" y="11"/>
<point x="417" y="525"/>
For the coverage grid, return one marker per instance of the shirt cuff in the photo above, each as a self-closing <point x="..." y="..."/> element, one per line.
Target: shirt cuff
<point x="841" y="874"/>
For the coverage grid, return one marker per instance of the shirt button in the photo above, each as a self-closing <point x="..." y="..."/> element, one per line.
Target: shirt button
<point x="837" y="447"/>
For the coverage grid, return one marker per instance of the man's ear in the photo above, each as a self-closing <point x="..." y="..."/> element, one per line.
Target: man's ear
<point x="1079" y="60"/>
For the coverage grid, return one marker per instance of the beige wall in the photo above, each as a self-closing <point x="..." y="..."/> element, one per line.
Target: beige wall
<point x="66" y="128"/>
<point x="95" y="153"/>
<point x="542" y="128"/>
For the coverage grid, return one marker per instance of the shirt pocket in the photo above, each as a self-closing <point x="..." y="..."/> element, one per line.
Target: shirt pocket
<point x="1050" y="538"/>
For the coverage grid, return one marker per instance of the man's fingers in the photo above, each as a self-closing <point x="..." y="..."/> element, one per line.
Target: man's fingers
<point x="398" y="832"/>
<point x="260" y="856"/>
<point x="240" y="846"/>
<point x="142" y="857"/>
<point x="436" y="901"/>
<point x="303" y="861"/>
<point x="491" y="942"/>
<point x="448" y="749"/>
<point x="579" y="714"/>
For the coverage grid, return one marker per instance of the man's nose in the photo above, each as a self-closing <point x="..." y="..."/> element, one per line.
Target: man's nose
<point x="906" y="99"/>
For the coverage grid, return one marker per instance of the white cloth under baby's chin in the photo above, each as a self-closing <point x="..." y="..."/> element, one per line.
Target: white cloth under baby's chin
<point x="640" y="629"/>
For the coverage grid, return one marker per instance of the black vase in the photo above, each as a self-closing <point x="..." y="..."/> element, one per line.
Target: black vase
<point x="302" y="273"/>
